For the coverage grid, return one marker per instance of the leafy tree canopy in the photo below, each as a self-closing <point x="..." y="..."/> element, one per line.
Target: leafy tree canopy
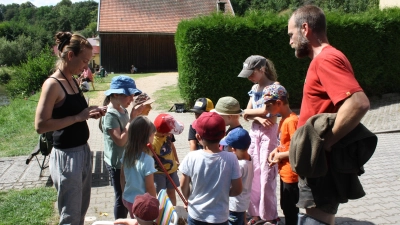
<point x="19" y="21"/>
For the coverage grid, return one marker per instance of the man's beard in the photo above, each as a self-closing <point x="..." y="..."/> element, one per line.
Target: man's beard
<point x="303" y="47"/>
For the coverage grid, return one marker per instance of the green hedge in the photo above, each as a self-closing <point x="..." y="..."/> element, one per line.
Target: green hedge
<point x="212" y="49"/>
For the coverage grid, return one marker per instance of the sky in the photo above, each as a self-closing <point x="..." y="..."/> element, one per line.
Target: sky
<point x="37" y="3"/>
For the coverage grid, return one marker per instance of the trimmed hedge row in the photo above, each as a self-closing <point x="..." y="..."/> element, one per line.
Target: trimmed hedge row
<point x="211" y="51"/>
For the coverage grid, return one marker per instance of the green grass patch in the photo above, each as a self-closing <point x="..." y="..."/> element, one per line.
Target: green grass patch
<point x="166" y="98"/>
<point x="17" y="133"/>
<point x="28" y="206"/>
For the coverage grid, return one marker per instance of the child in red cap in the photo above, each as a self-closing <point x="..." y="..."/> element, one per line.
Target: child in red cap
<point x="214" y="175"/>
<point x="163" y="145"/>
<point x="145" y="209"/>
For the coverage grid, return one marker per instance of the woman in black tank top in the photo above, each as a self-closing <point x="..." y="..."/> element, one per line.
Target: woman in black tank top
<point x="62" y="108"/>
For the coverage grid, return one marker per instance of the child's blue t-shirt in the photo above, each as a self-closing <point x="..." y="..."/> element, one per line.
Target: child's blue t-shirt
<point x="134" y="177"/>
<point x="211" y="175"/>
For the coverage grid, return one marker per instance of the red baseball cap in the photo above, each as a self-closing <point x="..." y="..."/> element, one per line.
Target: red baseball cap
<point x="166" y="123"/>
<point x="210" y="126"/>
<point x="146" y="207"/>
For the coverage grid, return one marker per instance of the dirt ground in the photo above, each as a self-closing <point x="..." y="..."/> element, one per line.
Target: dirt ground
<point x="149" y="85"/>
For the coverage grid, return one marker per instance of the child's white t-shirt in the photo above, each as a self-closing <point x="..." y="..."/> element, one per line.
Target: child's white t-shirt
<point x="241" y="202"/>
<point x="211" y="176"/>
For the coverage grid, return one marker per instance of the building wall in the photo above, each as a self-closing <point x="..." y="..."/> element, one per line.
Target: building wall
<point x="389" y="3"/>
<point x="148" y="52"/>
<point x="96" y="58"/>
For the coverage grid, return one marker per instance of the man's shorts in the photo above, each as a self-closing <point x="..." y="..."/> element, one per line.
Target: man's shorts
<point x="318" y="193"/>
<point x="161" y="181"/>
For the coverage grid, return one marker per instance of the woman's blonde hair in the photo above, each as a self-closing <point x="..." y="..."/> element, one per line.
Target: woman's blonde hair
<point x="66" y="41"/>
<point x="270" y="71"/>
<point x="140" y="129"/>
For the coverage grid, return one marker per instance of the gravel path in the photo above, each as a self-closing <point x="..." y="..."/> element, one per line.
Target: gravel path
<point x="149" y="85"/>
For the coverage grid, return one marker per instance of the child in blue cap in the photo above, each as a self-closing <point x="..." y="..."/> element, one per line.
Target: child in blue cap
<point x="115" y="126"/>
<point x="238" y="141"/>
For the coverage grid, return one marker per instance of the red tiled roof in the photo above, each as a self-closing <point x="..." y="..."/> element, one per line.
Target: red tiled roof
<point x="152" y="16"/>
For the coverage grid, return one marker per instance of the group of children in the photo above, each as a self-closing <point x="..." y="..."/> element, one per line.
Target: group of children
<point x="210" y="180"/>
<point x="227" y="172"/>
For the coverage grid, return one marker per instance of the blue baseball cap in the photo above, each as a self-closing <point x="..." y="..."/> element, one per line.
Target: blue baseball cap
<point x="238" y="138"/>
<point x="123" y="85"/>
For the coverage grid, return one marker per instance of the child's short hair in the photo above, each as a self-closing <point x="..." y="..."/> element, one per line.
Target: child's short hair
<point x="227" y="106"/>
<point x="166" y="123"/>
<point x="210" y="126"/>
<point x="238" y="138"/>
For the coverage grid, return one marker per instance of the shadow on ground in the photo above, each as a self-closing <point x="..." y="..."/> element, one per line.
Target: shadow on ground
<point x="100" y="176"/>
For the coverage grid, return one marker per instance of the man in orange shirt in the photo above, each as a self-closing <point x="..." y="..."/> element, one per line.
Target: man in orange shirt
<point x="276" y="102"/>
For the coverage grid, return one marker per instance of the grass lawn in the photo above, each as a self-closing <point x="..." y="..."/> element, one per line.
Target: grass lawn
<point x="28" y="206"/>
<point x="17" y="133"/>
<point x="166" y="97"/>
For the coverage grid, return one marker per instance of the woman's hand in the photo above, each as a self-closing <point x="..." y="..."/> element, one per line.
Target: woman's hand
<point x="97" y="112"/>
<point x="94" y="112"/>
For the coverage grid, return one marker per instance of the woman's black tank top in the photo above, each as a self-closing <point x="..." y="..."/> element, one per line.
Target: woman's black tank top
<point x="76" y="134"/>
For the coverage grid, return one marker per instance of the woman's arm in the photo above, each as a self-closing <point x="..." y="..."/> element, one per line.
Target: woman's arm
<point x="149" y="184"/>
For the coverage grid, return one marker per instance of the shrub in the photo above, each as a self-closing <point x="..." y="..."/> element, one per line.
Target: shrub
<point x="29" y="76"/>
<point x="16" y="52"/>
<point x="5" y="76"/>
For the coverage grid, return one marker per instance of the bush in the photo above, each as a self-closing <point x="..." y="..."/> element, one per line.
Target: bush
<point x="5" y="76"/>
<point x="29" y="77"/>
<point x="18" y="51"/>
<point x="211" y="51"/>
